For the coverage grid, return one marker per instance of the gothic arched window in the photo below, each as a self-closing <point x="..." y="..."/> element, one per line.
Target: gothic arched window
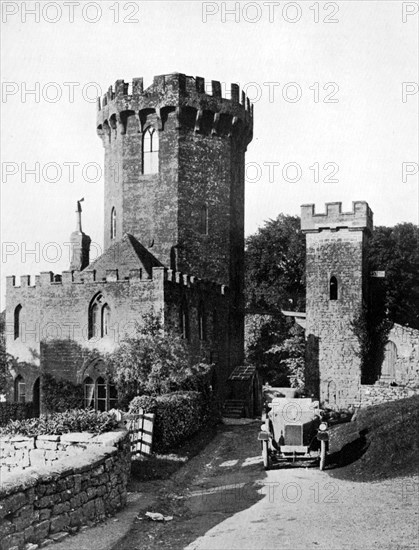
<point x="333" y="288"/>
<point x="150" y="151"/>
<point x="99" y="315"/>
<point x="18" y="309"/>
<point x="20" y="389"/>
<point x="100" y="395"/>
<point x="105" y="320"/>
<point x="89" y="393"/>
<point x="113" y="223"/>
<point x="203" y="220"/>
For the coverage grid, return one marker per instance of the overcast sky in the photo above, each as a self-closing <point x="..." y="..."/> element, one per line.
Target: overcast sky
<point x="328" y="95"/>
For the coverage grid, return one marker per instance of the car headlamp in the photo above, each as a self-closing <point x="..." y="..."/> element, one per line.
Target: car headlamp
<point x="323" y="427"/>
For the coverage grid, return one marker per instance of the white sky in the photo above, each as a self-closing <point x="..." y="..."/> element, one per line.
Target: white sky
<point x="368" y="133"/>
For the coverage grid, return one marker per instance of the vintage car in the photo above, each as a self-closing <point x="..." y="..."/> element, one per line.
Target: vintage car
<point x="292" y="429"/>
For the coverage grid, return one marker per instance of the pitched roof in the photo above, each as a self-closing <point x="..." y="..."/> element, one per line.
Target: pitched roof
<point x="244" y="372"/>
<point x="124" y="255"/>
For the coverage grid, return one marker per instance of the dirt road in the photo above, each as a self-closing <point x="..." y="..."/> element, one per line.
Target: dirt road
<point x="223" y="499"/>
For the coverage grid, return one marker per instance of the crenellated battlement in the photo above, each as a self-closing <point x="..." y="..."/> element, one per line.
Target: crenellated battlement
<point x="360" y="218"/>
<point x="67" y="278"/>
<point x="185" y="95"/>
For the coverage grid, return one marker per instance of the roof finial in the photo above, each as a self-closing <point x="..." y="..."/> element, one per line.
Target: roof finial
<point x="78" y="211"/>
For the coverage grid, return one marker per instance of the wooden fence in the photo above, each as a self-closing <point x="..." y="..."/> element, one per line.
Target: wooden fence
<point x="140" y="428"/>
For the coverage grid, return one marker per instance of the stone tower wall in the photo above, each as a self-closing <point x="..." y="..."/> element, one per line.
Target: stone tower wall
<point x="336" y="246"/>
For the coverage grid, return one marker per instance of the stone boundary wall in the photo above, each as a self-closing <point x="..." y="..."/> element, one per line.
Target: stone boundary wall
<point x="20" y="452"/>
<point x="376" y="394"/>
<point x="46" y="503"/>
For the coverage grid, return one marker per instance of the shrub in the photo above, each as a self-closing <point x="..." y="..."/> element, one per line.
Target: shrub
<point x="61" y="423"/>
<point x="178" y="416"/>
<point x="14" y="411"/>
<point x="61" y="395"/>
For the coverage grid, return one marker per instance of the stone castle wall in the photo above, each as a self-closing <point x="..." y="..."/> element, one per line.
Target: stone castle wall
<point x="335" y="247"/>
<point x="46" y="503"/>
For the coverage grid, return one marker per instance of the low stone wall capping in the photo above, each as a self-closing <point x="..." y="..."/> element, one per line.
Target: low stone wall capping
<point x="376" y="394"/>
<point x="51" y="500"/>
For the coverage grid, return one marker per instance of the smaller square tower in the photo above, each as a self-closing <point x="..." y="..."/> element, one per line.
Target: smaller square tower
<point x="336" y="282"/>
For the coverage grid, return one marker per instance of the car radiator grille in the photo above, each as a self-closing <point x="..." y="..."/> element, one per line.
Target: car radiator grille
<point x="293" y="434"/>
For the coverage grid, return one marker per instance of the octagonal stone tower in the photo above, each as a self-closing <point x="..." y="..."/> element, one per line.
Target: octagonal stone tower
<point x="174" y="172"/>
<point x="336" y="282"/>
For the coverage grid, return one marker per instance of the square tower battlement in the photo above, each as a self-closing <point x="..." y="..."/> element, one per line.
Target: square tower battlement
<point x="361" y="217"/>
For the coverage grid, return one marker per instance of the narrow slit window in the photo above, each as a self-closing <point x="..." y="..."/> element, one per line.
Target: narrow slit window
<point x="89" y="393"/>
<point x="113" y="223"/>
<point x="151" y="151"/>
<point x="18" y="309"/>
<point x="106" y="313"/>
<point x="333" y="288"/>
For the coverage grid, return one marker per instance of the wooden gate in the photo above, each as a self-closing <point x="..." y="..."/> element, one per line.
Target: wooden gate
<point x="140" y="428"/>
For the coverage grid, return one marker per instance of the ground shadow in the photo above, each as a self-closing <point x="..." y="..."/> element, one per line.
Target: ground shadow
<point x="350" y="452"/>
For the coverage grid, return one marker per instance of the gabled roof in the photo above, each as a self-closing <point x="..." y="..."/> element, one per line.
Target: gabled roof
<point x="243" y="372"/>
<point x="124" y="255"/>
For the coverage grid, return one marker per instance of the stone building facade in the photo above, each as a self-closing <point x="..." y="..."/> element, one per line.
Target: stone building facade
<point x="173" y="236"/>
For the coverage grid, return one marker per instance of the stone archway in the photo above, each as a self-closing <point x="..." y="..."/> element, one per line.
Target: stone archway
<point x="388" y="367"/>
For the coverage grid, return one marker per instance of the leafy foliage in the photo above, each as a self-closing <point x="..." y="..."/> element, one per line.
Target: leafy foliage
<point x="61" y="395"/>
<point x="6" y="360"/>
<point x="61" y="423"/>
<point x="395" y="250"/>
<point x="291" y="353"/>
<point x="275" y="266"/>
<point x="154" y="362"/>
<point x="178" y="416"/>
<point x="14" y="411"/>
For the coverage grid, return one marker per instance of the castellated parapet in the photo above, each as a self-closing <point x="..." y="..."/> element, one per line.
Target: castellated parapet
<point x="334" y="219"/>
<point x="179" y="93"/>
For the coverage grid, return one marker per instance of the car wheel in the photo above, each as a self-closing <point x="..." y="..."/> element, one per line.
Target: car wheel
<point x="265" y="455"/>
<point x="322" y="455"/>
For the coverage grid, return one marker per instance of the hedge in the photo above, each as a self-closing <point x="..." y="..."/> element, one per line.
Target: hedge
<point x="178" y="416"/>
<point x="77" y="420"/>
<point x="14" y="411"/>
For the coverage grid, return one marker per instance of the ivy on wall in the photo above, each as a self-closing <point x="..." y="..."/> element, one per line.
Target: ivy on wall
<point x="60" y="395"/>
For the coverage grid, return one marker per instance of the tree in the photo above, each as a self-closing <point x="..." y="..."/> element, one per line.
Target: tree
<point x="395" y="251"/>
<point x="154" y="361"/>
<point x="291" y="354"/>
<point x="274" y="278"/>
<point x="275" y="266"/>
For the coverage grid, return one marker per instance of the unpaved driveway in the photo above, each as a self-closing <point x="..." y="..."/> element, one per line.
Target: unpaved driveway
<point x="223" y="499"/>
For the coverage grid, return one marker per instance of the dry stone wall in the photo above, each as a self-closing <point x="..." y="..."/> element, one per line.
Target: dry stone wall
<point x="51" y="501"/>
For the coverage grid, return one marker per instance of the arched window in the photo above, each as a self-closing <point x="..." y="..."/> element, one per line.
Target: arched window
<point x="105" y="320"/>
<point x="89" y="393"/>
<point x="100" y="395"/>
<point x="184" y="320"/>
<point x="97" y="317"/>
<point x="203" y="220"/>
<point x="201" y="322"/>
<point x="113" y="223"/>
<point x="20" y="390"/>
<point x="150" y="151"/>
<point x="18" y="309"/>
<point x="333" y="288"/>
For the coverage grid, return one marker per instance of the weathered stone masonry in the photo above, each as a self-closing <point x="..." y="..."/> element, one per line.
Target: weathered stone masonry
<point x="49" y="502"/>
<point x="174" y="238"/>
<point x="336" y="250"/>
